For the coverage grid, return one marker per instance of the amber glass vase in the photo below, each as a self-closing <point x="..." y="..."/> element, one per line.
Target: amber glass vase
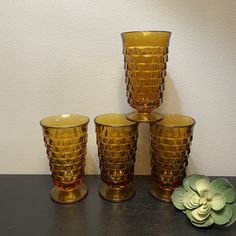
<point x="117" y="143"/>
<point x="170" y="147"/>
<point x="145" y="58"/>
<point x="65" y="138"/>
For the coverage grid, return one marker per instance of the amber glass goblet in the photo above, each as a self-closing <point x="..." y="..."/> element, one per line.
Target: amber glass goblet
<point x="145" y="59"/>
<point x="65" y="138"/>
<point x="117" y="143"/>
<point x="170" y="147"/>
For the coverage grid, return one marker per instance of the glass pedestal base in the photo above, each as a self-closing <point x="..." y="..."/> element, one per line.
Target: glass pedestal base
<point x="117" y="194"/>
<point x="144" y="117"/>
<point x="64" y="197"/>
<point x="159" y="193"/>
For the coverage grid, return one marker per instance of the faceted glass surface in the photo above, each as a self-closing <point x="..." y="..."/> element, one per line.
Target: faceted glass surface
<point x="145" y="60"/>
<point x="117" y="143"/>
<point x="170" y="147"/>
<point x="65" y="138"/>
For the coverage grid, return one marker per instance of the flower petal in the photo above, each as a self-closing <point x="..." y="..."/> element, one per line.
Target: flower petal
<point x="224" y="187"/>
<point x="206" y="223"/>
<point x="233" y="218"/>
<point x="190" y="216"/>
<point x="177" y="198"/>
<point x="223" y="216"/>
<point x="218" y="201"/>
<point x="203" y="187"/>
<point x="191" y="200"/>
<point x="204" y="209"/>
<point x="189" y="181"/>
<point x="202" y="212"/>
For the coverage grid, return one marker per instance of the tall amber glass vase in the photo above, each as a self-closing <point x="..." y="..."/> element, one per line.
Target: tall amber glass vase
<point x="117" y="142"/>
<point x="145" y="59"/>
<point x="170" y="147"/>
<point x="65" y="138"/>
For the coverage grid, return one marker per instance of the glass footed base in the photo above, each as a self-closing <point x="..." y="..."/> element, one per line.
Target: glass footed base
<point x="117" y="194"/>
<point x="159" y="193"/>
<point x="144" y="117"/>
<point x="64" y="197"/>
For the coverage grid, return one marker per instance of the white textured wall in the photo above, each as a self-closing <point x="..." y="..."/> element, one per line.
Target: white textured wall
<point x="65" y="56"/>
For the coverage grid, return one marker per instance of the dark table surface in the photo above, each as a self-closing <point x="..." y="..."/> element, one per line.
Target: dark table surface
<point x="26" y="209"/>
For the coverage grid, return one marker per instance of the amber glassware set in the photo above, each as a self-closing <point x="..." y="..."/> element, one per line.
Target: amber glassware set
<point x="65" y="136"/>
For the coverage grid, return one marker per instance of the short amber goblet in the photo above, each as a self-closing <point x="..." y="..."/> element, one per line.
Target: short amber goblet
<point x="145" y="59"/>
<point x="170" y="147"/>
<point x="65" y="138"/>
<point x="117" y="143"/>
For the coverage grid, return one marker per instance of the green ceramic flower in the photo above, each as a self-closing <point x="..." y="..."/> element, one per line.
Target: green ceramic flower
<point x="205" y="202"/>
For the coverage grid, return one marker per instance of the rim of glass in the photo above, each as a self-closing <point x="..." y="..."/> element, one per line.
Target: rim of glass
<point x="160" y="123"/>
<point x="77" y="124"/>
<point x="146" y="31"/>
<point x="129" y="123"/>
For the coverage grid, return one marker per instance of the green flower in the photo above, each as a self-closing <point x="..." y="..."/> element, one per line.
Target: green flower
<point x="205" y="203"/>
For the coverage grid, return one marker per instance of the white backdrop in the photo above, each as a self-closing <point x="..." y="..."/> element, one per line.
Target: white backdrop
<point x="65" y="56"/>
